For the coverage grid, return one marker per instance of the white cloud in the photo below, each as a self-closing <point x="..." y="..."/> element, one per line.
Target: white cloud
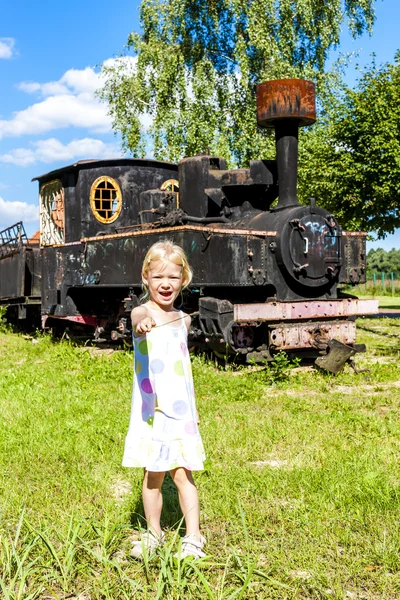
<point x="52" y="150"/>
<point x="58" y="112"/>
<point x="29" y="87"/>
<point x="12" y="212"/>
<point x="6" y="47"/>
<point x="20" y="156"/>
<point x="68" y="102"/>
<point x="73" y="82"/>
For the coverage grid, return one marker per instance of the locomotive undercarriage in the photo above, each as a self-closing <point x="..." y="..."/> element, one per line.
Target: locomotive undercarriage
<point x="243" y="331"/>
<point x="256" y="332"/>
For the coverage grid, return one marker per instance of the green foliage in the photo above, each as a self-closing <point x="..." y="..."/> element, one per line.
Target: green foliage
<point x="357" y="157"/>
<point x="196" y="65"/>
<point x="4" y="326"/>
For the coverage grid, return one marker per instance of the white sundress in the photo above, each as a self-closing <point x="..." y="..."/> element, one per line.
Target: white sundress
<point x="163" y="432"/>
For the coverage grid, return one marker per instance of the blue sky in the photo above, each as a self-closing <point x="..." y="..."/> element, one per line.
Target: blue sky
<point x="49" y="117"/>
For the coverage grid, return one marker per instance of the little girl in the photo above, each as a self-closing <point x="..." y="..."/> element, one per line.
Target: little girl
<point x="163" y="434"/>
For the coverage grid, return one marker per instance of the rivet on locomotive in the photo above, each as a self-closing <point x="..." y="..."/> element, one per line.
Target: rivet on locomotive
<point x="267" y="274"/>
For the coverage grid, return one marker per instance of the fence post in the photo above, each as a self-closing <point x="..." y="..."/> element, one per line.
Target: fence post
<point x="392" y="278"/>
<point x="383" y="281"/>
<point x="374" y="278"/>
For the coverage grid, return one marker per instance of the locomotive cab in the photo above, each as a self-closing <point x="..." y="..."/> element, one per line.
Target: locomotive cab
<point x="83" y="206"/>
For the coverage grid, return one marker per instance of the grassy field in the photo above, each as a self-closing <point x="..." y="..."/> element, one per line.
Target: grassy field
<point x="389" y="301"/>
<point x="385" y="301"/>
<point x="389" y="288"/>
<point x="300" y="497"/>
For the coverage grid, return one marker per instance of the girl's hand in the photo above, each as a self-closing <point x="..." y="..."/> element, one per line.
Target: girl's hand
<point x="142" y="321"/>
<point x="145" y="325"/>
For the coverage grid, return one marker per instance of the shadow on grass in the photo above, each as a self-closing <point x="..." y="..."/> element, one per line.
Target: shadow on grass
<point x="386" y="336"/>
<point x="171" y="514"/>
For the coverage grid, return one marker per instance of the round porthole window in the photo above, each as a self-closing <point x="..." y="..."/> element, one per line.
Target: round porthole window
<point x="106" y="199"/>
<point x="170" y="185"/>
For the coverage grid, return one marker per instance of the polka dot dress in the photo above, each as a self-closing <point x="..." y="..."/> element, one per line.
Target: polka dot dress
<point x="163" y="432"/>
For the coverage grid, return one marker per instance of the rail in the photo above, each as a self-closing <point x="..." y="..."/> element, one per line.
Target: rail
<point x="12" y="239"/>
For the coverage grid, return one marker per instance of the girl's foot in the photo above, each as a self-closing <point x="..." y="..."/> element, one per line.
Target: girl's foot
<point x="192" y="546"/>
<point x="148" y="543"/>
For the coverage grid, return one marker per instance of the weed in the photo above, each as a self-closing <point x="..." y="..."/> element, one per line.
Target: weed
<point x="278" y="370"/>
<point x="4" y="325"/>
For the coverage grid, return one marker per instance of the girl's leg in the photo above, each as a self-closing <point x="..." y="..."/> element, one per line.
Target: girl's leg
<point x="188" y="499"/>
<point x="152" y="500"/>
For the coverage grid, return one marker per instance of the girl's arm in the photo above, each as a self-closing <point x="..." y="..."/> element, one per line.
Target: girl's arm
<point x="142" y="321"/>
<point x="188" y="320"/>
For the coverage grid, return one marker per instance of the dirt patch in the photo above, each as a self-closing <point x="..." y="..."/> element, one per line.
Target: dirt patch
<point x="275" y="463"/>
<point x="384" y="360"/>
<point x="120" y="489"/>
<point x="377" y="387"/>
<point x="98" y="351"/>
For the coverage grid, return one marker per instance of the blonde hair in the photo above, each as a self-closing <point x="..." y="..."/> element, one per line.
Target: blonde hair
<point x="166" y="251"/>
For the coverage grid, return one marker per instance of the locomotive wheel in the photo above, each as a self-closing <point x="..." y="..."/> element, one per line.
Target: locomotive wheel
<point x="243" y="336"/>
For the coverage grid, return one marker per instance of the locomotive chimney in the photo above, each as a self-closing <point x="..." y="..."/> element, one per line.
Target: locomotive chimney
<point x="286" y="105"/>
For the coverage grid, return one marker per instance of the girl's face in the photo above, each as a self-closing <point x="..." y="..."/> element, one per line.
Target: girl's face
<point x="164" y="281"/>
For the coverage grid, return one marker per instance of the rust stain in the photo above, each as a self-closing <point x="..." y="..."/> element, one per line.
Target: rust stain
<point x="286" y="99"/>
<point x="161" y="230"/>
<point x="354" y="233"/>
<point x="317" y="336"/>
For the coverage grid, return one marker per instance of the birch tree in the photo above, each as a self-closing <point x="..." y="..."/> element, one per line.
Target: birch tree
<point x="197" y="62"/>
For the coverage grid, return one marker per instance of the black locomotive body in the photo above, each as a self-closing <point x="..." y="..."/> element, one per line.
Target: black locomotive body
<point x="266" y="273"/>
<point x="20" y="273"/>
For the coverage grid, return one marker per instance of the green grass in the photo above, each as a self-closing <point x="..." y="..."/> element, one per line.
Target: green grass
<point x="389" y="302"/>
<point x="384" y="301"/>
<point x="300" y="497"/>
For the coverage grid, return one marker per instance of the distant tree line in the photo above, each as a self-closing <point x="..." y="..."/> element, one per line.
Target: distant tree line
<point x="381" y="261"/>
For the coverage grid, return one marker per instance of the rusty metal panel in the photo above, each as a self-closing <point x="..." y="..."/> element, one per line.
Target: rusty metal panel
<point x="276" y="311"/>
<point x="117" y="260"/>
<point x="81" y="319"/>
<point x="311" y="335"/>
<point x="12" y="275"/>
<point x="354" y="257"/>
<point x="33" y="273"/>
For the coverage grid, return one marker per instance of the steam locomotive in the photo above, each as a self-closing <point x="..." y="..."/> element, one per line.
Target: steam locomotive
<point x="267" y="270"/>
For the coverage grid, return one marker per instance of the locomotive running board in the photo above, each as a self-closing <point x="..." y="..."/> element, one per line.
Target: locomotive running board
<point x="314" y="309"/>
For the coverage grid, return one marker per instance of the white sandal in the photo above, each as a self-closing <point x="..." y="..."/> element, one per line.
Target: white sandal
<point x="148" y="543"/>
<point x="192" y="546"/>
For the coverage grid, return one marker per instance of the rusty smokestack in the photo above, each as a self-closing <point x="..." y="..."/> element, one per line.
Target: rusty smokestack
<point x="286" y="105"/>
